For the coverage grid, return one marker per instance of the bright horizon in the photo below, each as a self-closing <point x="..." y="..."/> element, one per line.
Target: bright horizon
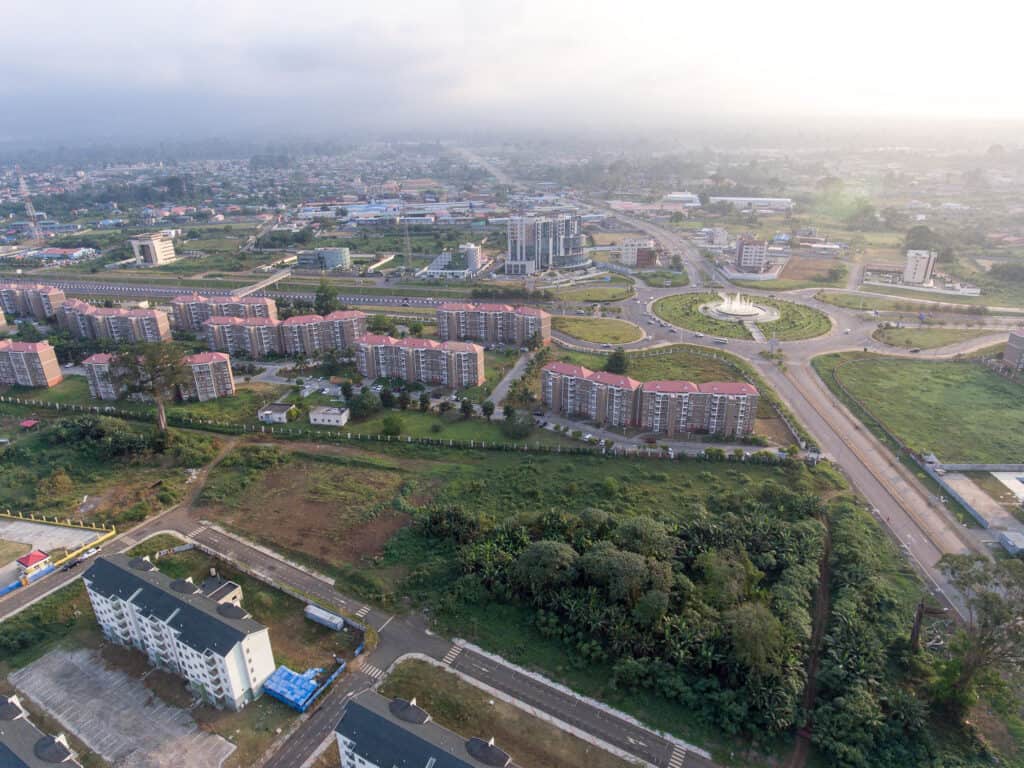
<point x="104" y="68"/>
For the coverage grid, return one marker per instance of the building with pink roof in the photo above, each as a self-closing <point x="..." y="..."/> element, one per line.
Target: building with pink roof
<point x="493" y="323"/>
<point x="210" y="378"/>
<point x="449" y="363"/>
<point x="29" y="364"/>
<point x="123" y="326"/>
<point x="671" y="408"/>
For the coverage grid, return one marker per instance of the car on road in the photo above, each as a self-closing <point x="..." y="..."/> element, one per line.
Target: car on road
<point x="915" y="350"/>
<point x="588" y="436"/>
<point x="606" y="346"/>
<point x="73" y="564"/>
<point x="698" y="335"/>
<point x="89" y="553"/>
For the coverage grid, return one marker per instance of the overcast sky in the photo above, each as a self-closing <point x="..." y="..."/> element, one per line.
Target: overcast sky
<point x="315" y="67"/>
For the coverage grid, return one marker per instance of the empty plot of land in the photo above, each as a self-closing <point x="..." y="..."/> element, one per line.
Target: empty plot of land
<point x="115" y="715"/>
<point x="997" y="515"/>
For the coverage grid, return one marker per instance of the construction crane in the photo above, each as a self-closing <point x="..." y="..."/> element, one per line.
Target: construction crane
<point x="35" y="236"/>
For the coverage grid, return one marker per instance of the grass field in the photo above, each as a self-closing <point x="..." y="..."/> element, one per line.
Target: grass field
<point x="658" y="279"/>
<point x="597" y="330"/>
<point x="960" y="411"/>
<point x="468" y="711"/>
<point x="613" y="238"/>
<point x="802" y="272"/>
<point x="925" y="338"/>
<point x="496" y="365"/>
<point x="450" y="426"/>
<point x="615" y="289"/>
<point x="795" y="321"/>
<point x="12" y="550"/>
<point x="993" y="295"/>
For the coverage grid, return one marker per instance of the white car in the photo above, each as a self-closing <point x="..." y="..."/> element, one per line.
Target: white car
<point x="89" y="553"/>
<point x="588" y="436"/>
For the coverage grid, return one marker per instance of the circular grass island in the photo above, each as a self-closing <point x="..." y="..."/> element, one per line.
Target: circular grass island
<point x="597" y="330"/>
<point x="782" y="320"/>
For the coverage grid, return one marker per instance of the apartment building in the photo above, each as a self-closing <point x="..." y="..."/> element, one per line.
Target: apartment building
<point x="324" y="259"/>
<point x="123" y="326"/>
<point x="190" y="312"/>
<point x="3" y="322"/>
<point x="211" y="377"/>
<point x="152" y="250"/>
<point x="300" y="335"/>
<point x="671" y="408"/>
<point x="98" y="372"/>
<point x="253" y="337"/>
<point x="27" y="300"/>
<point x="340" y="329"/>
<point x="539" y="243"/>
<point x="23" y="745"/>
<point x="919" y="266"/>
<point x="1014" y="354"/>
<point x="452" y="364"/>
<point x="199" y="632"/>
<point x="492" y="323"/>
<point x="28" y="364"/>
<point x="751" y="255"/>
<point x="378" y="732"/>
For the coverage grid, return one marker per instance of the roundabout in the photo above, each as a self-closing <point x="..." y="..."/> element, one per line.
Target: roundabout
<point x="734" y="316"/>
<point x="737" y="308"/>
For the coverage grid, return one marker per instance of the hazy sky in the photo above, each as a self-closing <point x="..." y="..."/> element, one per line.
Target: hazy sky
<point x="195" y="67"/>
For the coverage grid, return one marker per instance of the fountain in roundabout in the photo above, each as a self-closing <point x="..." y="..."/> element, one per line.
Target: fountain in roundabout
<point x="738" y="308"/>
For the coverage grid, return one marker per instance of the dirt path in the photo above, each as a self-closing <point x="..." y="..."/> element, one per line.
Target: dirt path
<point x="822" y="603"/>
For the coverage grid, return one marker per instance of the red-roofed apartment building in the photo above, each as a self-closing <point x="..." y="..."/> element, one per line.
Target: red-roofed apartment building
<point x="39" y="301"/>
<point x="450" y="363"/>
<point x="97" y="371"/>
<point x="671" y="408"/>
<point x="492" y="323"/>
<point x="29" y="364"/>
<point x="190" y="311"/>
<point x="211" y="377"/>
<point x="125" y="326"/>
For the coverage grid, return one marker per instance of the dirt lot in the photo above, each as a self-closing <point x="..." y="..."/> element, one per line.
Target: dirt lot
<point x="115" y="714"/>
<point x="799" y="268"/>
<point x="612" y="238"/>
<point x="332" y="506"/>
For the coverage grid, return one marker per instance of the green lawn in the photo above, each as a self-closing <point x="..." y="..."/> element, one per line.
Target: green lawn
<point x="496" y="365"/>
<point x="857" y="301"/>
<point x="450" y="426"/>
<point x="795" y="322"/>
<point x="992" y="295"/>
<point x="926" y="338"/>
<point x="616" y="289"/>
<point x="660" y="278"/>
<point x="597" y="329"/>
<point x="960" y="411"/>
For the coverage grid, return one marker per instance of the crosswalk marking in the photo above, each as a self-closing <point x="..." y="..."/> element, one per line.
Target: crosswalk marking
<point x="453" y="653"/>
<point x="196" y="531"/>
<point x="361" y="613"/>
<point x="678" y="756"/>
<point x="371" y="671"/>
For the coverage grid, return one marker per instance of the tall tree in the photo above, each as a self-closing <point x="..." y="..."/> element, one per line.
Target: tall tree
<point x="617" y="362"/>
<point x="154" y="369"/>
<point x="989" y="646"/>
<point x="326" y="300"/>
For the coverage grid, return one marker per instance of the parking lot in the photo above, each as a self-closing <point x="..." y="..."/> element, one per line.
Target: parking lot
<point x="115" y="715"/>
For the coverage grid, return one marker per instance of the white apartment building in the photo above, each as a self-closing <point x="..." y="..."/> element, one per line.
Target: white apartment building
<point x="919" y="266"/>
<point x="629" y="247"/>
<point x="199" y="633"/>
<point x="153" y="250"/>
<point x="377" y="732"/>
<point x="211" y="377"/>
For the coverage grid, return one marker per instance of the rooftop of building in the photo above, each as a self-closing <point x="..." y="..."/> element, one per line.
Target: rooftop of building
<point x="613" y="380"/>
<point x="22" y="745"/>
<point x="727" y="388"/>
<point x="567" y="369"/>
<point x="397" y="732"/>
<point x="327" y="410"/>
<point x="34" y="557"/>
<point x="248" y="321"/>
<point x="303" y="320"/>
<point x="204" y="358"/>
<point x="202" y="624"/>
<point x="24" y="346"/>
<point x="276" y="408"/>
<point x="670" y="387"/>
<point x="345" y="314"/>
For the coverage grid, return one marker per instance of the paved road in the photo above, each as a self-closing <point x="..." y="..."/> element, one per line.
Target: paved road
<point x="515" y="372"/>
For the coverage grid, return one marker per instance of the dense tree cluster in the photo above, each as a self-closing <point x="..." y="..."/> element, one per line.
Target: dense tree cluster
<point x="710" y="608"/>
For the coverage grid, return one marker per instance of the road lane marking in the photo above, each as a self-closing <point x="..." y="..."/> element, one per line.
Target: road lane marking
<point x="678" y="756"/>
<point x="453" y="653"/>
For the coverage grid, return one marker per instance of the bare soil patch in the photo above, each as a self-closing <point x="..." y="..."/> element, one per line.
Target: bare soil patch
<point x="798" y="268"/>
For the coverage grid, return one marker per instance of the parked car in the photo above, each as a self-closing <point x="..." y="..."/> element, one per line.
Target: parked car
<point x="89" y="553"/>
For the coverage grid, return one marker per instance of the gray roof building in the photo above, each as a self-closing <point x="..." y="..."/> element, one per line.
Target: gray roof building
<point x="393" y="733"/>
<point x="22" y="745"/>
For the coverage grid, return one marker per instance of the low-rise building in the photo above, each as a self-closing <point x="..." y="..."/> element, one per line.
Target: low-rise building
<point x="328" y="416"/>
<point x="493" y="323"/>
<point x="672" y="408"/>
<point x="210" y="377"/>
<point x="98" y="372"/>
<point x="34" y="562"/>
<point x="22" y="745"/>
<point x="153" y="250"/>
<point x="199" y="633"/>
<point x="276" y="413"/>
<point x="29" y="364"/>
<point x="377" y="732"/>
<point x="452" y="364"/>
<point x="325" y="259"/>
<point x="629" y="247"/>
